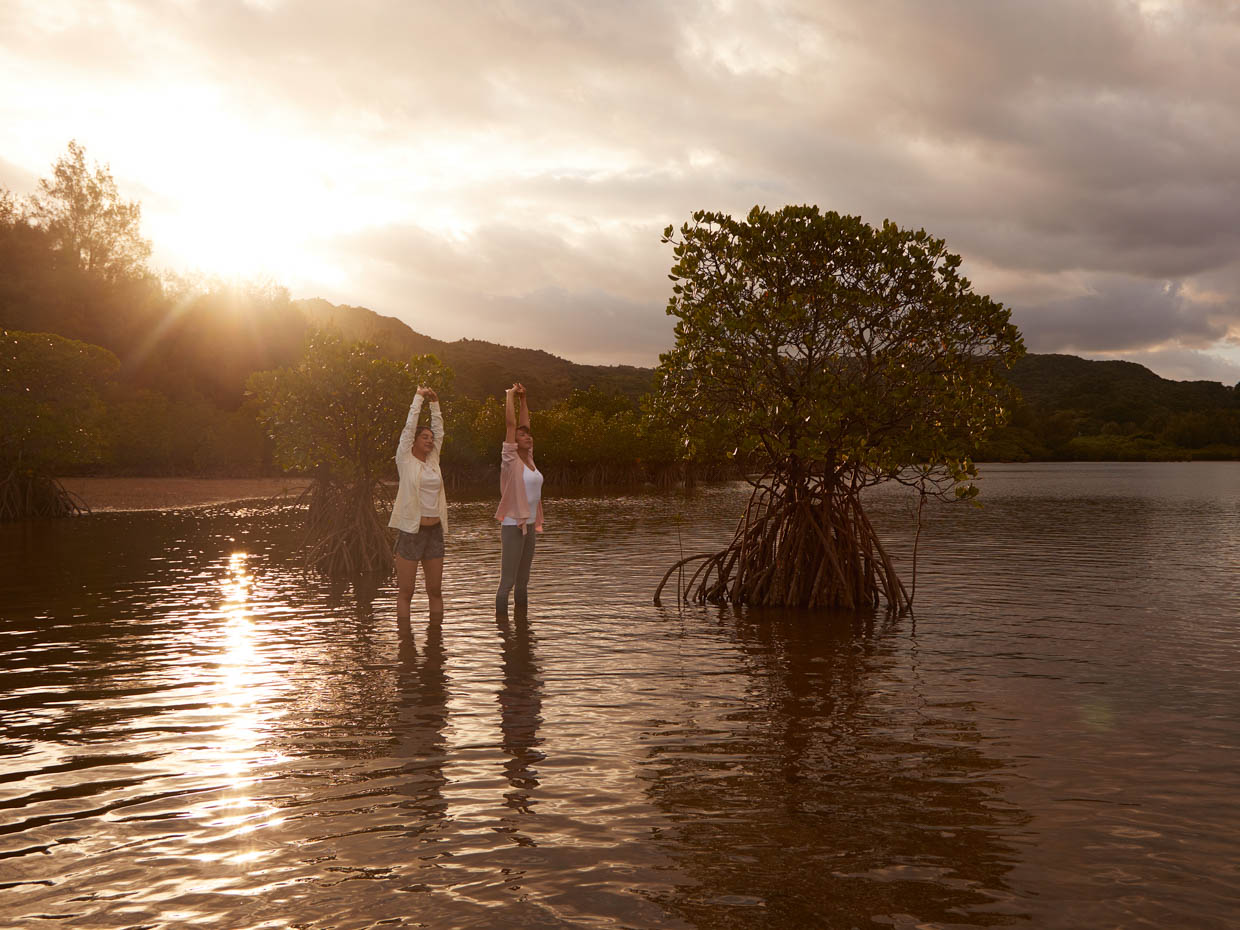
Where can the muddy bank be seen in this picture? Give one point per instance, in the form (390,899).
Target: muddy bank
(112,494)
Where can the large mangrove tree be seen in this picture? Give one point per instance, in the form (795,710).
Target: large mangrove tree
(833,355)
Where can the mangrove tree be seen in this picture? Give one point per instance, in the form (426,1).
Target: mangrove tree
(832,355)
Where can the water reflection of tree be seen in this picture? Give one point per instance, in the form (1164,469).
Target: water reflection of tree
(520,703)
(825,801)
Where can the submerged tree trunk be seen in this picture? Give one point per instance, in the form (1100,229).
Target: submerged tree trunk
(800,543)
(27,495)
(345,531)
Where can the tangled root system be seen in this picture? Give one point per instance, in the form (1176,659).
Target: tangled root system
(27,495)
(805,545)
(345,534)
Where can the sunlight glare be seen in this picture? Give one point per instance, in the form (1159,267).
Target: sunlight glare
(236,698)
(239,692)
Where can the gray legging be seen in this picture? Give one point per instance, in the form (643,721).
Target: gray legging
(515,561)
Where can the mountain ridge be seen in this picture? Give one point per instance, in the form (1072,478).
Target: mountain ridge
(482,368)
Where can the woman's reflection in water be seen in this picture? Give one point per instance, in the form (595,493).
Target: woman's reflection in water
(520,706)
(421,718)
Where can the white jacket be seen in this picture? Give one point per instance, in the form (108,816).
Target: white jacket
(407,511)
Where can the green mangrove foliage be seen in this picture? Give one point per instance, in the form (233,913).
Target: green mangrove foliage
(838,355)
(590,439)
(52,417)
(594,439)
(337,416)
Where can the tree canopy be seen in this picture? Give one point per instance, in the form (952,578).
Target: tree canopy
(51,412)
(340,410)
(827,344)
(51,417)
(91,225)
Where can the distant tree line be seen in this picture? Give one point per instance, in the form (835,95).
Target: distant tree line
(1073,409)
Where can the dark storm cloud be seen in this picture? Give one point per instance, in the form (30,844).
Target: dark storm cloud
(1080,156)
(1120,314)
(1187,365)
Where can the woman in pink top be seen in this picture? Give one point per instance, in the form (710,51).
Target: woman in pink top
(520,503)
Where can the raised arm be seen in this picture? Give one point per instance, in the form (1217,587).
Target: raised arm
(436,419)
(524,417)
(404,448)
(510,417)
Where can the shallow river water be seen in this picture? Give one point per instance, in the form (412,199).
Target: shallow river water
(195,734)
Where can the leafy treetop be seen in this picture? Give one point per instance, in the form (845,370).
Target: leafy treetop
(833,348)
(340,411)
(89,223)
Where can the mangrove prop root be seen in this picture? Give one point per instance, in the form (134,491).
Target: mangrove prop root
(807,545)
(26,495)
(345,532)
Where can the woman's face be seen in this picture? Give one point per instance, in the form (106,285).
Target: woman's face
(423,442)
(525,441)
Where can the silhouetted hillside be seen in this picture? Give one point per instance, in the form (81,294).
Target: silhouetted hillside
(1075,408)
(483,369)
(1114,390)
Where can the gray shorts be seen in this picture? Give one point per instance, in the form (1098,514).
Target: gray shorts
(426,543)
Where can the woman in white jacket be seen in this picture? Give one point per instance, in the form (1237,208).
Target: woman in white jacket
(420,514)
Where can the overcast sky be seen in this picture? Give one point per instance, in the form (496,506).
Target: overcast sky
(503,170)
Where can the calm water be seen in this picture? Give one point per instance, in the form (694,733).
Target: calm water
(195,734)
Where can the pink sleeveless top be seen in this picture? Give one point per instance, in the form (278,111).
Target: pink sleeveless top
(512,498)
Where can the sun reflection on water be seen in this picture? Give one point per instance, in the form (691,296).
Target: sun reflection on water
(236,697)
(240,687)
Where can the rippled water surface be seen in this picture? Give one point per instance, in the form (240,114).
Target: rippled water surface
(196,734)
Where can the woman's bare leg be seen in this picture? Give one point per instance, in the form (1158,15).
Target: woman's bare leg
(432,571)
(406,581)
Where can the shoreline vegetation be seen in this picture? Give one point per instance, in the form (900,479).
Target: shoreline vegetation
(1070,409)
(130,495)
(111,494)
(137,494)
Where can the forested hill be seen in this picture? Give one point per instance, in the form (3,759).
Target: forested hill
(1122,391)
(483,369)
(1075,408)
